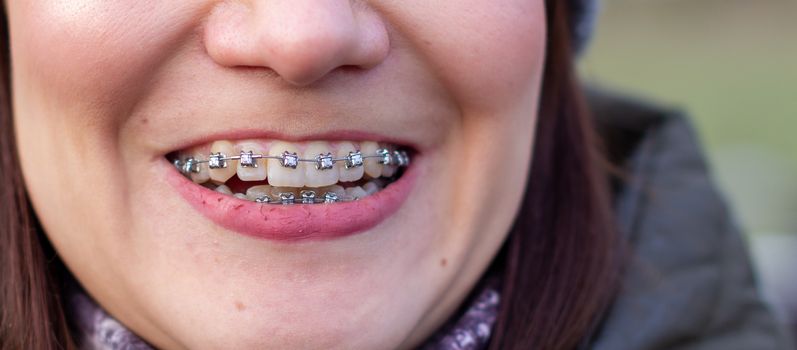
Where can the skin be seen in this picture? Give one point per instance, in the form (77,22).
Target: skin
(99,80)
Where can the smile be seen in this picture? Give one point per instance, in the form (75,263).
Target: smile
(291,191)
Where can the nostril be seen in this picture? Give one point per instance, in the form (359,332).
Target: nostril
(301,41)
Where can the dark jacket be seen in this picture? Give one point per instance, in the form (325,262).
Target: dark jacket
(689,284)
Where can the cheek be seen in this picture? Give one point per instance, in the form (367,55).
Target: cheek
(489,56)
(78,68)
(491,60)
(91,55)
(488,53)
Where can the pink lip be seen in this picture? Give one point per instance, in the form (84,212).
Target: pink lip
(297,222)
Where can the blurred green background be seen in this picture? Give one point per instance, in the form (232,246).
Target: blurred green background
(732,65)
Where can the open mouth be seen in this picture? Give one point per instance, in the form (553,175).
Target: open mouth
(287,173)
(294,190)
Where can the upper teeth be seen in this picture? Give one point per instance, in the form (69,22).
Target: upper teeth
(324,162)
(285,165)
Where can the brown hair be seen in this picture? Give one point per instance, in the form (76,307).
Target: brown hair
(562,259)
(559,263)
(31,313)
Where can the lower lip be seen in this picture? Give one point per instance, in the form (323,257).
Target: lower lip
(295,222)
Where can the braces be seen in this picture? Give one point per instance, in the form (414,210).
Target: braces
(307,197)
(248,159)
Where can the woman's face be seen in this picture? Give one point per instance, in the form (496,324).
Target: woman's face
(106,93)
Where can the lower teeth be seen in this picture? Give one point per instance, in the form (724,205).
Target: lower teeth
(265,194)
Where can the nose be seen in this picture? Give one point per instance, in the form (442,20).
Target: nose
(301,40)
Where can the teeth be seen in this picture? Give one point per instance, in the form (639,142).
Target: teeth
(279,175)
(292,195)
(263,199)
(251,169)
(401,159)
(277,191)
(388,170)
(331,197)
(203,175)
(315,177)
(221,175)
(256,192)
(286,195)
(345,149)
(224,189)
(356,192)
(287,198)
(336,189)
(371,187)
(308,196)
(302,177)
(372,166)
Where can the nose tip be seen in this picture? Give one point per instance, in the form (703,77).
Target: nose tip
(301,40)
